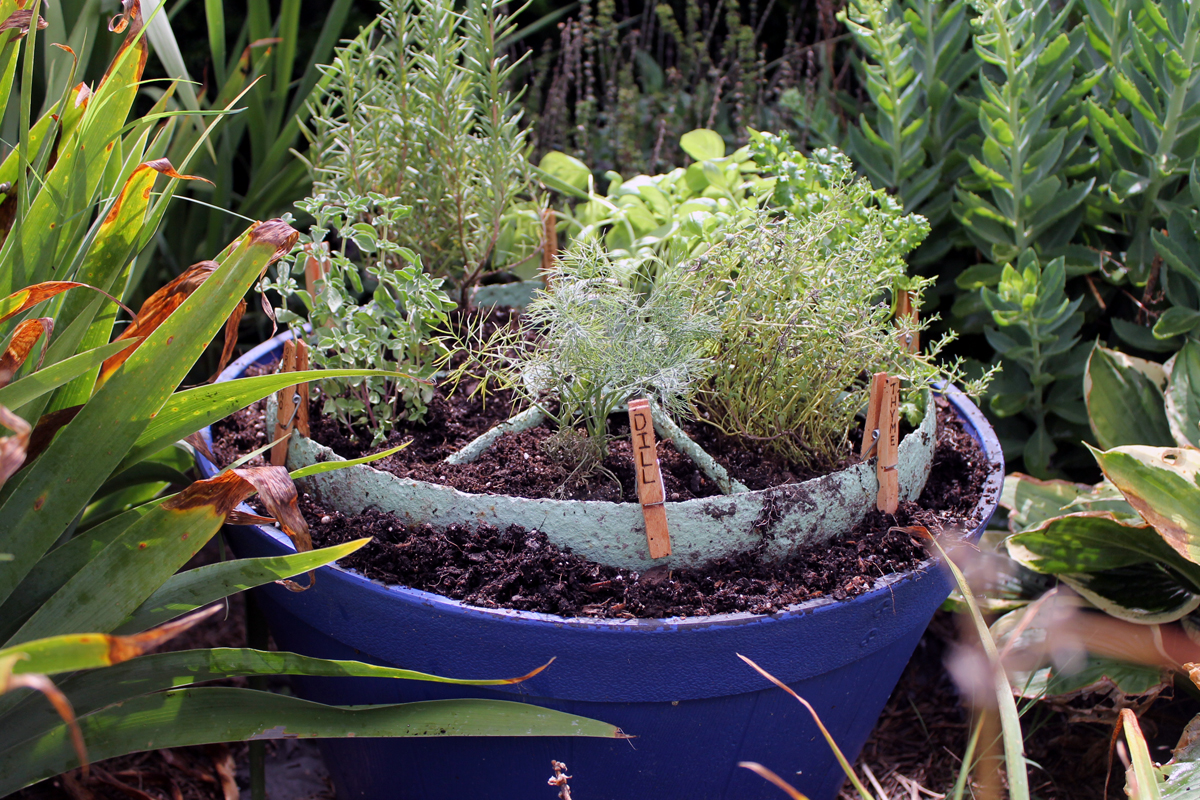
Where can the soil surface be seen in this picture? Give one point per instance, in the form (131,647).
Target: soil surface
(519,568)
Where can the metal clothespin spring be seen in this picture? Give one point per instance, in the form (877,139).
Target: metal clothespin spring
(295,410)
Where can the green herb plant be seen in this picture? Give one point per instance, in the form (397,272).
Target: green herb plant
(589,343)
(99,517)
(418,108)
(378,311)
(805,318)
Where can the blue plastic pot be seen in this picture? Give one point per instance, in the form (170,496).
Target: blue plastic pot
(676,684)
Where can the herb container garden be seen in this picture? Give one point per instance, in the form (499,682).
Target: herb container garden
(675,684)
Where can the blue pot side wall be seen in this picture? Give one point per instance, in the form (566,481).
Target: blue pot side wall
(677,685)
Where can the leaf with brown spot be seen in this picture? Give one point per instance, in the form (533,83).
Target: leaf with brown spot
(21,345)
(12,448)
(278,233)
(47,426)
(75,651)
(30,296)
(129,22)
(155,311)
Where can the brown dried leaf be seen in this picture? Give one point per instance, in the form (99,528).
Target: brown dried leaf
(157,308)
(30,296)
(12,448)
(236,517)
(225,491)
(21,345)
(123,648)
(763,772)
(102,776)
(19,21)
(47,426)
(129,22)
(224,765)
(163,166)
(40,683)
(197,442)
(231,338)
(275,232)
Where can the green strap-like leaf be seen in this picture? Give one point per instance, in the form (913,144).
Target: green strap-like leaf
(187,591)
(202,716)
(62,481)
(56,568)
(47,379)
(189,411)
(95,689)
(144,555)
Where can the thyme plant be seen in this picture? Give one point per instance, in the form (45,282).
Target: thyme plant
(805,318)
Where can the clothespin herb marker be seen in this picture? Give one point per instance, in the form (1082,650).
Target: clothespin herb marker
(649,478)
(292,401)
(908,315)
(882,435)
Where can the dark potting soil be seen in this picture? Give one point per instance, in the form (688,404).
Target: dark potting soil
(519,464)
(519,568)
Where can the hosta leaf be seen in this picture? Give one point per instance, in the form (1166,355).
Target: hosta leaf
(1161,483)
(1182,773)
(1125,400)
(1183,396)
(1093,541)
(1146,594)
(1176,321)
(1030,501)
(1094,674)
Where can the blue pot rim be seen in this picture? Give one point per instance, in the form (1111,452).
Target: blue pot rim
(988,501)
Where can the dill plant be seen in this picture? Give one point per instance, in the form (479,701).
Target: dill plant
(589,342)
(805,317)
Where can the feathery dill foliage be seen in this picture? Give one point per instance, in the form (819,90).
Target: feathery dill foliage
(805,318)
(418,108)
(598,344)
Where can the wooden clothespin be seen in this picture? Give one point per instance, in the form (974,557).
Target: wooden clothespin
(649,478)
(549,243)
(292,401)
(316,269)
(910,315)
(882,434)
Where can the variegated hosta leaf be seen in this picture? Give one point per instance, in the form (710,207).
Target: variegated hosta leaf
(1146,594)
(1126,570)
(1161,483)
(1124,398)
(1030,501)
(1183,395)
